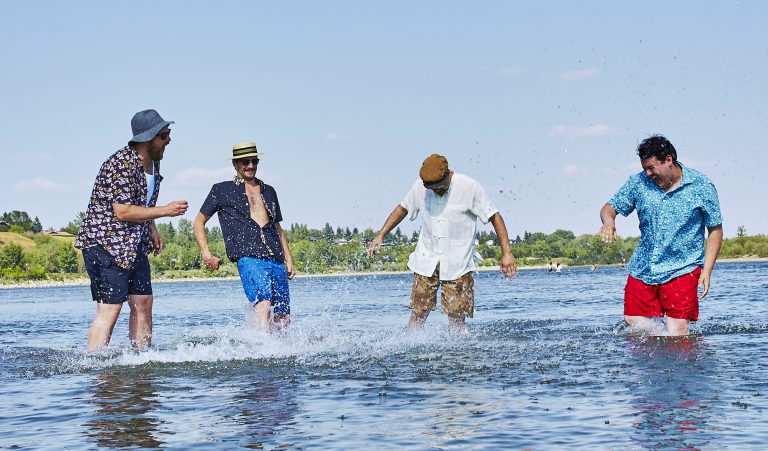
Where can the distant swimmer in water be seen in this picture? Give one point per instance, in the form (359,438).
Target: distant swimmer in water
(675,205)
(450,204)
(249,215)
(550,267)
(558,267)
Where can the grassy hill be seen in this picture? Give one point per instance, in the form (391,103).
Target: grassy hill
(14,238)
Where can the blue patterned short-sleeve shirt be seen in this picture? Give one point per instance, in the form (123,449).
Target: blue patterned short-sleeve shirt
(672,224)
(120,180)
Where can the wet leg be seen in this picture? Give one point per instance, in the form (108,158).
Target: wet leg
(677,327)
(640,323)
(103,323)
(456,323)
(260,316)
(140,321)
(418,318)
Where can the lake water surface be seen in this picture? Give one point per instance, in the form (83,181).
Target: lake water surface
(546,363)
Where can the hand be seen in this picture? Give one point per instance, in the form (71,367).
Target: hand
(290,269)
(157,241)
(176,208)
(374,246)
(608,233)
(508,266)
(211,262)
(704,282)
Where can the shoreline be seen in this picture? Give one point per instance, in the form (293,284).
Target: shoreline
(84,281)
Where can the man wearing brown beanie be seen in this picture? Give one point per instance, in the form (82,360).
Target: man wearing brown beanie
(450,204)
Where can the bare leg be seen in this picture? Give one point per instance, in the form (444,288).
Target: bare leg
(260,317)
(418,318)
(677,327)
(140,321)
(640,323)
(281,322)
(101,328)
(456,323)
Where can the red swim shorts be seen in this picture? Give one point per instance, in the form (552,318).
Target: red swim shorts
(677,298)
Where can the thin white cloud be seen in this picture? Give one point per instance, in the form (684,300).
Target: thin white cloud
(581,74)
(39,184)
(568,131)
(338,137)
(574,170)
(512,71)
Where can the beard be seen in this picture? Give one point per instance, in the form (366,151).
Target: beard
(155,152)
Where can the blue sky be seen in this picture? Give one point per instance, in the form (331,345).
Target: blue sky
(542,102)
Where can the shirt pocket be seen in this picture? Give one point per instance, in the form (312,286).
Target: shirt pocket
(460,252)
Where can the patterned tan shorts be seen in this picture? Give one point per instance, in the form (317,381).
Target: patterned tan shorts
(457,299)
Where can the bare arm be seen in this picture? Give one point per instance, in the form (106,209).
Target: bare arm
(608,217)
(198,226)
(136,213)
(711,250)
(394,218)
(508,265)
(289,267)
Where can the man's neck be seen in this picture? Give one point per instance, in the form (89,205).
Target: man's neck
(146,161)
(677,176)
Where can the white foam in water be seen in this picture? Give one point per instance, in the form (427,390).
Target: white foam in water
(311,338)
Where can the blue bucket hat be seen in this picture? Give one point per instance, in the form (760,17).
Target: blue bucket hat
(145,125)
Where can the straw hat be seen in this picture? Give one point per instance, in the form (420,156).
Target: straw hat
(245,149)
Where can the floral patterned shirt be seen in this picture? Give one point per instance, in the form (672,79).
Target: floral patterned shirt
(120,180)
(242,235)
(671,224)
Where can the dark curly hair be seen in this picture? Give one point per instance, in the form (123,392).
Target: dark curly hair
(656,146)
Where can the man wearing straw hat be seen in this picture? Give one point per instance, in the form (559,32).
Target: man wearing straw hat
(118,231)
(249,215)
(450,204)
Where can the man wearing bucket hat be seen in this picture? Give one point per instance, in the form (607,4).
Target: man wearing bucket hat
(450,204)
(249,215)
(118,231)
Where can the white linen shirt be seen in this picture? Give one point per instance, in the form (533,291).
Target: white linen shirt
(448,226)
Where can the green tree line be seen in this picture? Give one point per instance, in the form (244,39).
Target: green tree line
(326,250)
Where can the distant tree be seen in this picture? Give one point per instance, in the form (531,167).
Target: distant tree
(11,256)
(66,258)
(74,225)
(19,218)
(36,227)
(185,227)
(328,234)
(741,231)
(368,235)
(414,236)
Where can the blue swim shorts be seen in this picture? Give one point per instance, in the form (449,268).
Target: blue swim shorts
(265,280)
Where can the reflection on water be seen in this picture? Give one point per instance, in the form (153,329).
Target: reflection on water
(673,389)
(265,408)
(546,364)
(125,404)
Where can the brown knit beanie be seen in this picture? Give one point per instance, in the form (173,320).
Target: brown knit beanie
(434,168)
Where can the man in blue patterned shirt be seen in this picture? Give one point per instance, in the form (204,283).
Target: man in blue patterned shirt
(674,205)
